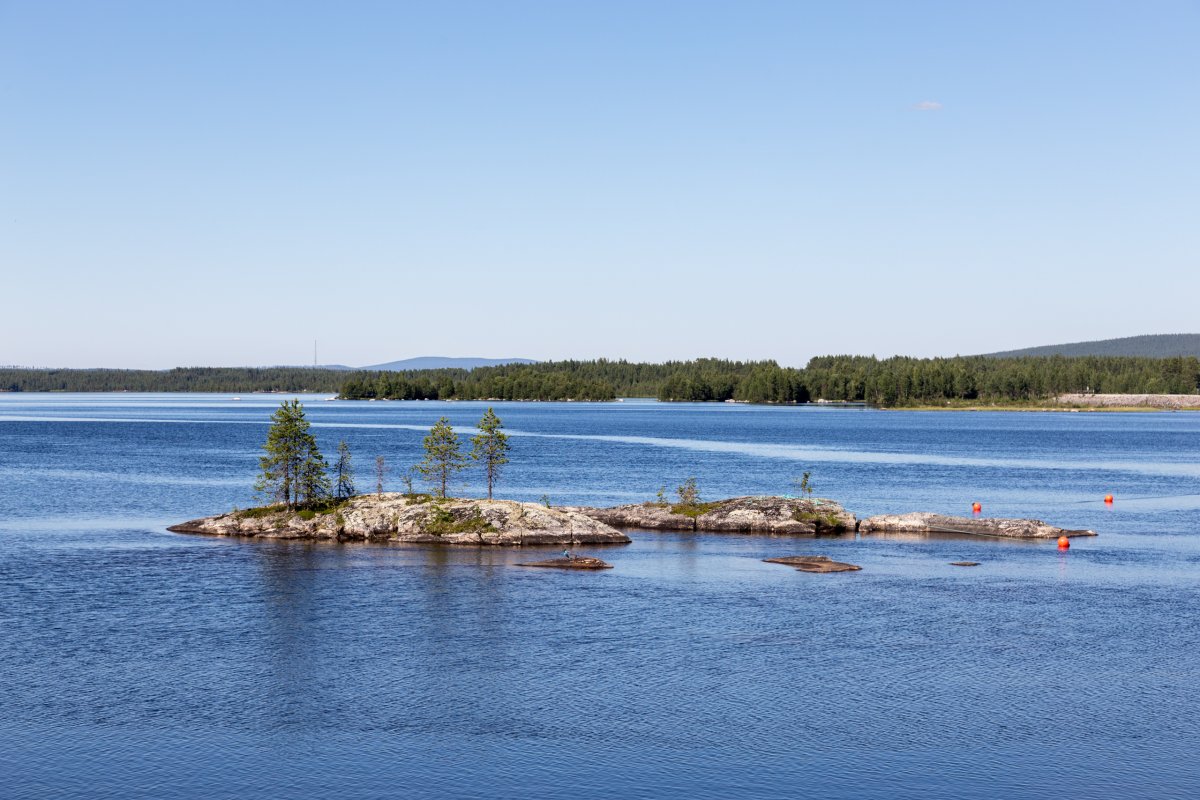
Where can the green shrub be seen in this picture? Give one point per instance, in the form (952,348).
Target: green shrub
(260,512)
(306,513)
(821,519)
(694,511)
(689,494)
(441,522)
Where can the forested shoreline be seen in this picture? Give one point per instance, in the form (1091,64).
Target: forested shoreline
(892,382)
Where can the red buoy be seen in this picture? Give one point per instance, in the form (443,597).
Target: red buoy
(976,507)
(1063,543)
(1108,498)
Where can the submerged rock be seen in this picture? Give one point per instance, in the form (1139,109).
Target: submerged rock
(578,562)
(394,517)
(964,563)
(923,522)
(814,563)
(770,515)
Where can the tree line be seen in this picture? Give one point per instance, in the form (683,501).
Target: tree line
(601,379)
(897,381)
(180,379)
(902,381)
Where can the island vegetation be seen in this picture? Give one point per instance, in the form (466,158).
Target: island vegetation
(293,470)
(294,474)
(301,500)
(896,382)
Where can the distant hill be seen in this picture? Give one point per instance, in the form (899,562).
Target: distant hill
(438,362)
(1166,345)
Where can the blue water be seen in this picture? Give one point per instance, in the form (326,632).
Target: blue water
(139,663)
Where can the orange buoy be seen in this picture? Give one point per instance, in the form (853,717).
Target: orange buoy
(976,507)
(1108,498)
(1063,543)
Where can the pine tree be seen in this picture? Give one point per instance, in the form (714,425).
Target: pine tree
(490,448)
(443,458)
(343,472)
(293,469)
(312,484)
(689,493)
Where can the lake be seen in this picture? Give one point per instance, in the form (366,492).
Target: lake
(140,663)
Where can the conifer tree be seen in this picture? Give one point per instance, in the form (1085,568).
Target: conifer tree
(312,485)
(443,458)
(343,472)
(490,448)
(292,469)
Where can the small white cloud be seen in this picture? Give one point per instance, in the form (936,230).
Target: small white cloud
(928,105)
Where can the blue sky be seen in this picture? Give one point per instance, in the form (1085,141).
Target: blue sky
(221,183)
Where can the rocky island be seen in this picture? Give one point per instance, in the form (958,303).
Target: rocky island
(923,522)
(769,515)
(395,517)
(814,564)
(571,562)
(806,516)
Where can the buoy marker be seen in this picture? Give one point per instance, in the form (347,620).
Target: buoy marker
(1108,499)
(1063,543)
(976,508)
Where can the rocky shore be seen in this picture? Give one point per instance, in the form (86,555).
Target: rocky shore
(393,517)
(807,516)
(768,515)
(1173,402)
(922,522)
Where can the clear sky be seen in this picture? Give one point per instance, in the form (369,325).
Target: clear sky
(221,183)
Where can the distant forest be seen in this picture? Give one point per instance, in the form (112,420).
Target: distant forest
(181,379)
(893,382)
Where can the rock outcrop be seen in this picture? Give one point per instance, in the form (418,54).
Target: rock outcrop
(398,518)
(814,564)
(769,515)
(577,562)
(923,522)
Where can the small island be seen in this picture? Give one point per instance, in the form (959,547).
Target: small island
(396,517)
(309,503)
(570,562)
(788,516)
(814,564)
(999,527)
